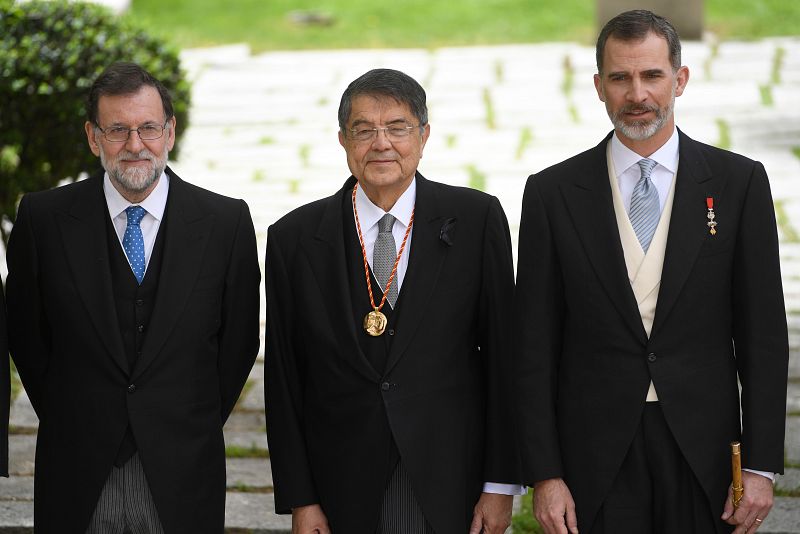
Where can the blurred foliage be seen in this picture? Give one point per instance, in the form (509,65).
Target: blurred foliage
(50,53)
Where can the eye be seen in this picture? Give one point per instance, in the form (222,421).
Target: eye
(117,130)
(149,129)
(398,131)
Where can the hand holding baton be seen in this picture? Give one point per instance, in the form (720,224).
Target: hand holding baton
(736,466)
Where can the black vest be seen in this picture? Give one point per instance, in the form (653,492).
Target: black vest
(134,306)
(376,349)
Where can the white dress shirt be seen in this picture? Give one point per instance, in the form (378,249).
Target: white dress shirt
(154,205)
(628,173)
(368,215)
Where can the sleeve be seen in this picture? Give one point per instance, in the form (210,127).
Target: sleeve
(291,473)
(538,325)
(759,329)
(5,388)
(502,456)
(27,325)
(239,332)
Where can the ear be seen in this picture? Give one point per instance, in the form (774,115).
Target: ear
(171,133)
(426,132)
(598,86)
(91,138)
(341,138)
(681,79)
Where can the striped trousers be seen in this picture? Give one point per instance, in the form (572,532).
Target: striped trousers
(125,505)
(400,511)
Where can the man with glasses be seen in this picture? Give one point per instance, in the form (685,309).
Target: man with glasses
(387,355)
(133,313)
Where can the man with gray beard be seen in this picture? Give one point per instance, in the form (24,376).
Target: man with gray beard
(648,281)
(134,322)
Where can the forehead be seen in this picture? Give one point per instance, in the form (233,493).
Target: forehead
(135,108)
(379,109)
(648,53)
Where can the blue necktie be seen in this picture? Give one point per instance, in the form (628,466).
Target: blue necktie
(645,207)
(133,241)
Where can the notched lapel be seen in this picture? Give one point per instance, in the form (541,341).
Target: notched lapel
(86,247)
(326,256)
(687,230)
(186,237)
(588,199)
(429,247)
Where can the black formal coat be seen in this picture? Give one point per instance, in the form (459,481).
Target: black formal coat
(5,388)
(65,340)
(443,396)
(583,360)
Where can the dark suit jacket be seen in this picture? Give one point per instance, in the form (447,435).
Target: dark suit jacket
(583,359)
(442,398)
(65,339)
(5,388)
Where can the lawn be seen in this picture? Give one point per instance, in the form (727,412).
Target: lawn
(270,25)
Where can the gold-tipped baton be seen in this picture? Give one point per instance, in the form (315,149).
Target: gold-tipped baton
(736,467)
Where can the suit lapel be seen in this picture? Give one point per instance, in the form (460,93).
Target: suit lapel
(186,236)
(687,230)
(86,248)
(326,256)
(588,199)
(427,255)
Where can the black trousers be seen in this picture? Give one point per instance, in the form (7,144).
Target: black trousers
(655,491)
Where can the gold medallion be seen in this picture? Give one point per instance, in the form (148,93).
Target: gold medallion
(375,323)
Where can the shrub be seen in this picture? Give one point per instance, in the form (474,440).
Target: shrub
(50,53)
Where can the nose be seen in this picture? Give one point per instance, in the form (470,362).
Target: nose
(134,142)
(381,141)
(636,91)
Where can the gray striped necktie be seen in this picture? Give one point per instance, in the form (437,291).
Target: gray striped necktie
(383,257)
(645,208)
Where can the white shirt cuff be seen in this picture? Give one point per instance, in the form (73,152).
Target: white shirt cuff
(767,474)
(504,489)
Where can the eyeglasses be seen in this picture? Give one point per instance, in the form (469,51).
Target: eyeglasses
(393,133)
(147,132)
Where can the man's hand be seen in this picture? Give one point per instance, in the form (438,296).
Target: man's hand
(309,520)
(492,514)
(554,508)
(755,504)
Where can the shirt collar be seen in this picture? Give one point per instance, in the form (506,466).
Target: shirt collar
(369,214)
(154,204)
(666,156)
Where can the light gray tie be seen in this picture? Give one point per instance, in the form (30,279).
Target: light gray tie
(645,208)
(384,256)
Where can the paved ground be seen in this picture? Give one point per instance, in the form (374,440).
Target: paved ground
(263,128)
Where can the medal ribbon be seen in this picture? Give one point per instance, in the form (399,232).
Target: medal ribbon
(364,255)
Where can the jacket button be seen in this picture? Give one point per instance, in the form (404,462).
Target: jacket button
(651,357)
(139,302)
(140,328)
(391,331)
(385,386)
(132,388)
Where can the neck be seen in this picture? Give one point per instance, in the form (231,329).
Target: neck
(384,197)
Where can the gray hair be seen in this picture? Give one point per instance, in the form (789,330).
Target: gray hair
(634,26)
(385,82)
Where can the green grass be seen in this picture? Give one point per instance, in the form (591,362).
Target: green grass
(724,130)
(489,108)
(766,95)
(525,139)
(244,488)
(523,521)
(253,451)
(777,64)
(789,233)
(16,383)
(423,24)
(477,179)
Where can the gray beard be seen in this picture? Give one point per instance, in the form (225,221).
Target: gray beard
(641,130)
(135,179)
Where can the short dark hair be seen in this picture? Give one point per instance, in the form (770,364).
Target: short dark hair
(634,26)
(124,78)
(385,82)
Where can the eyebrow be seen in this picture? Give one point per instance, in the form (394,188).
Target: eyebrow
(362,122)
